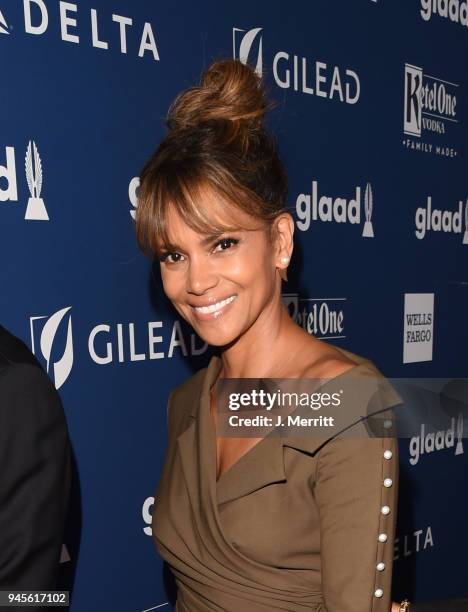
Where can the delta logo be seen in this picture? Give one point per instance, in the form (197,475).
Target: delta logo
(73,21)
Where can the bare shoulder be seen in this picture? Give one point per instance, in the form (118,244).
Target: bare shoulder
(329,367)
(328,363)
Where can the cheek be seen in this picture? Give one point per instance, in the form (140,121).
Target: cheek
(171,285)
(249,267)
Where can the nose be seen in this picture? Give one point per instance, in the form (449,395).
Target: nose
(200,277)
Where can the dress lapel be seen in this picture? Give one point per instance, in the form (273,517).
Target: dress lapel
(263,464)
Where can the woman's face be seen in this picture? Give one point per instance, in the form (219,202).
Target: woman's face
(219,284)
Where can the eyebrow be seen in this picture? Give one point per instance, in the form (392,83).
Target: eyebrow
(204,242)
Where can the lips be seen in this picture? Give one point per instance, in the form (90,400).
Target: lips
(214,306)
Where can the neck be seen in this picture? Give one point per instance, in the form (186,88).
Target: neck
(265,350)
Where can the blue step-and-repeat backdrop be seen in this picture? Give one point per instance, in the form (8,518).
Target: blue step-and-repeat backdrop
(372,124)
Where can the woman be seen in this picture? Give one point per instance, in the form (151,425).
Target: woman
(246,523)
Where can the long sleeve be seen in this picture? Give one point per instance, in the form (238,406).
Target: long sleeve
(356,488)
(34,478)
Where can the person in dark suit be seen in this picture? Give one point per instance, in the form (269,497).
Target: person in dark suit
(35,459)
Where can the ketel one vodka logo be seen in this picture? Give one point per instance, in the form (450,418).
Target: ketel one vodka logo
(321,317)
(430,108)
(315,207)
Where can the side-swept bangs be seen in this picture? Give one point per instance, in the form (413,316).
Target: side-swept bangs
(204,200)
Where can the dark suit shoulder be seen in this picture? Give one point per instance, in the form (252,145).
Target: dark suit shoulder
(13,350)
(26,391)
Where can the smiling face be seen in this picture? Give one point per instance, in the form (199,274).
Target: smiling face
(222,285)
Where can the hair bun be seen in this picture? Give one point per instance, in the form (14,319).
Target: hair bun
(230,92)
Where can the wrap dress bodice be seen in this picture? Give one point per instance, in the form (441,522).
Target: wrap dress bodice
(295,524)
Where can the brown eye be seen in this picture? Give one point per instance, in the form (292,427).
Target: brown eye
(227,242)
(165,257)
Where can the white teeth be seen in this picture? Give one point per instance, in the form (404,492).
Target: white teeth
(214,307)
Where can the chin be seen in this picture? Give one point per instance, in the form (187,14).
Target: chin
(217,338)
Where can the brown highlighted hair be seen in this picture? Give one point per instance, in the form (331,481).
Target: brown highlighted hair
(216,139)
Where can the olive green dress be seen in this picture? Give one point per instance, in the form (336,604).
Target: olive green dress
(302,523)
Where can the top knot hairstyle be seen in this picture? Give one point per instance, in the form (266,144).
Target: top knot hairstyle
(216,139)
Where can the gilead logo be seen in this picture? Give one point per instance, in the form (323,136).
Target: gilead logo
(44,330)
(36,22)
(245,44)
(292,71)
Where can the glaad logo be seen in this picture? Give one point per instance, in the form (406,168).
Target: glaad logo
(36,22)
(339,210)
(428,219)
(3,25)
(317,315)
(292,72)
(133,195)
(35,210)
(58,369)
(418,327)
(147,515)
(455,10)
(430,105)
(434,441)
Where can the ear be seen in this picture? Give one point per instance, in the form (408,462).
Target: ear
(283,232)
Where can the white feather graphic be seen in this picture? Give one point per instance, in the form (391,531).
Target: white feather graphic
(38,166)
(245,48)
(368,201)
(29,169)
(3,25)
(63,366)
(33,172)
(48,333)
